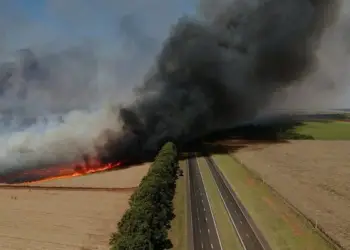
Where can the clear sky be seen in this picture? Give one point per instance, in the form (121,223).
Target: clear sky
(31,22)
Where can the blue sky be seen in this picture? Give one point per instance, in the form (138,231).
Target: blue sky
(31,22)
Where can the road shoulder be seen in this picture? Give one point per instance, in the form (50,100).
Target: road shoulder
(179,230)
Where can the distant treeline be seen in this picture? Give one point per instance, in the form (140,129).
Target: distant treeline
(146,223)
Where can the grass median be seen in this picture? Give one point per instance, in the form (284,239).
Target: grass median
(227,234)
(281,226)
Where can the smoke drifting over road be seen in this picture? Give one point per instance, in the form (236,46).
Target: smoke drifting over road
(227,65)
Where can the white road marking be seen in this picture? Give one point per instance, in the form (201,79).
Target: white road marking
(232,221)
(234,197)
(206,218)
(247,235)
(212,247)
(208,231)
(202,245)
(241,222)
(210,209)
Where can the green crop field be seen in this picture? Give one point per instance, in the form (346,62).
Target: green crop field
(332,130)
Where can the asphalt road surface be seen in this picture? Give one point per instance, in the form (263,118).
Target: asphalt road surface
(248,234)
(205,235)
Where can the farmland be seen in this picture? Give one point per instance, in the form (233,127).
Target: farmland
(296,192)
(328,130)
(56,219)
(123,178)
(312,175)
(282,186)
(280,225)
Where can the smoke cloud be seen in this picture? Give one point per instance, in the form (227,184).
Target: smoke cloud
(59,90)
(230,63)
(238,60)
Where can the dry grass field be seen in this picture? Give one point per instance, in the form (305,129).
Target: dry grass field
(54,219)
(129,177)
(313,175)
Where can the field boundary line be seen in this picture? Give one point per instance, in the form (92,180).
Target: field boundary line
(334,243)
(62,188)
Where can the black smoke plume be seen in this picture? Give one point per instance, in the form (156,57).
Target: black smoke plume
(232,64)
(218,72)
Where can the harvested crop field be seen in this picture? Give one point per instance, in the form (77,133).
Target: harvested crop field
(123,178)
(63,219)
(312,175)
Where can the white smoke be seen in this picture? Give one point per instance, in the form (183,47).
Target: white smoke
(59,94)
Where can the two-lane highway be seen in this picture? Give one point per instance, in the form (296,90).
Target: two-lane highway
(248,234)
(205,235)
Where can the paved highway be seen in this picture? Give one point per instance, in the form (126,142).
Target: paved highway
(248,234)
(204,230)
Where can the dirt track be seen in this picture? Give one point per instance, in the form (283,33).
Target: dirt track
(313,175)
(66,214)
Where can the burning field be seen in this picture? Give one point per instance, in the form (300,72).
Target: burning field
(77,110)
(72,213)
(89,166)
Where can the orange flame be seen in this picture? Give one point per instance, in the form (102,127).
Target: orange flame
(88,166)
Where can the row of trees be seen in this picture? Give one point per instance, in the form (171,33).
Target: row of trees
(146,223)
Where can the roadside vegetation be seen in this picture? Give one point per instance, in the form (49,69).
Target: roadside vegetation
(178,232)
(146,223)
